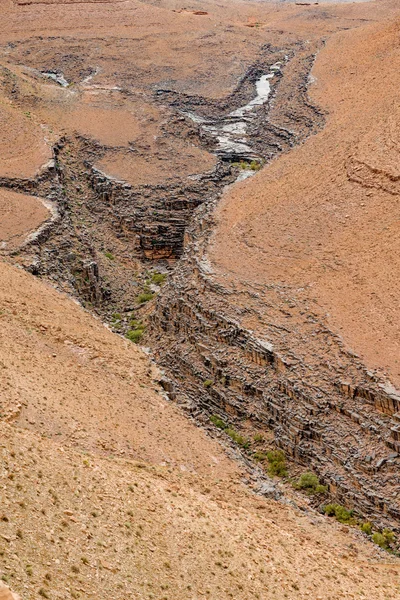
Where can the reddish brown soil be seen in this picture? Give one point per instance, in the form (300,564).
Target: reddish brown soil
(323,220)
(107,488)
(19,215)
(23,149)
(179,160)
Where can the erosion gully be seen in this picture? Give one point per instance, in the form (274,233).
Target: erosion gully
(314,400)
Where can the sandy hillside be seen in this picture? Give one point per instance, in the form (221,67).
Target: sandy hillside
(109,489)
(323,220)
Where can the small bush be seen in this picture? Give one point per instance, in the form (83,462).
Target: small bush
(109,255)
(366,528)
(384,539)
(208,383)
(259,437)
(309,482)
(236,437)
(218,422)
(255,165)
(135,335)
(277,463)
(389,536)
(339,512)
(144,297)
(158,278)
(380,540)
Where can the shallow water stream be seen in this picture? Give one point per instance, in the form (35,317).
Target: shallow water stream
(231,132)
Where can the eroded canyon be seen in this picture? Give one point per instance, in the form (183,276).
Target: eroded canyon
(218,183)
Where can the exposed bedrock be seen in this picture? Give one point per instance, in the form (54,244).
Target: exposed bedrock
(325,409)
(297,380)
(155,216)
(147,222)
(292,376)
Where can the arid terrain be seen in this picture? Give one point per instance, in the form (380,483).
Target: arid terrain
(199,250)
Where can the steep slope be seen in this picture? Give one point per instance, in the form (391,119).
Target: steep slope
(286,294)
(327,213)
(82,517)
(107,488)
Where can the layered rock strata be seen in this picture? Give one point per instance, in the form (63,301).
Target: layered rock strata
(270,360)
(325,409)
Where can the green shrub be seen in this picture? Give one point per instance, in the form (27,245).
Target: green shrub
(380,540)
(158,278)
(389,536)
(109,255)
(218,422)
(135,335)
(144,297)
(384,539)
(258,437)
(260,456)
(208,383)
(276,463)
(339,512)
(236,437)
(309,482)
(255,165)
(366,528)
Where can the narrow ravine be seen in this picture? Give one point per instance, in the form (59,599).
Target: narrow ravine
(222,371)
(114,244)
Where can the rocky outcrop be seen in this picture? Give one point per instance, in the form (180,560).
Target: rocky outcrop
(96,211)
(156,217)
(295,378)
(325,410)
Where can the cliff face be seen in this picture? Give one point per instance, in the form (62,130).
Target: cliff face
(237,313)
(324,408)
